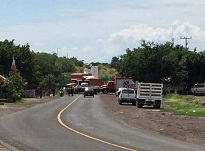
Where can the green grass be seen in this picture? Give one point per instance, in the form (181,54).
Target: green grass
(3,100)
(23,100)
(182,105)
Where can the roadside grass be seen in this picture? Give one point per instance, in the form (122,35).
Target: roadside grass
(23,100)
(183,105)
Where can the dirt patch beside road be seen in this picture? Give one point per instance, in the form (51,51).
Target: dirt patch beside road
(190,129)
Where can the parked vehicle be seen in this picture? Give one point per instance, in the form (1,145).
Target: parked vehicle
(127,95)
(80,78)
(198,89)
(113,86)
(80,87)
(149,94)
(88,92)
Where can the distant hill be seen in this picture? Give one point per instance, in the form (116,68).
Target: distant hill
(105,71)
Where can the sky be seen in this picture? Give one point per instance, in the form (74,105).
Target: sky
(97,30)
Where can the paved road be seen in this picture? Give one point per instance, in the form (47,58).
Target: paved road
(82,125)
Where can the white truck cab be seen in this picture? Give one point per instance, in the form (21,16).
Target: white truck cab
(127,95)
(198,89)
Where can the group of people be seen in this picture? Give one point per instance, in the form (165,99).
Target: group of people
(69,90)
(39,93)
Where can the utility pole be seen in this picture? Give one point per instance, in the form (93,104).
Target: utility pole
(172,37)
(186,43)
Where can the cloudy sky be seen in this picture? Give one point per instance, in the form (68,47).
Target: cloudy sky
(97,30)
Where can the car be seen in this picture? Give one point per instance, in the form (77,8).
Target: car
(80,88)
(117,93)
(127,95)
(198,89)
(88,92)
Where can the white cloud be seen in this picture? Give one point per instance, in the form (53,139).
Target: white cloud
(136,33)
(99,32)
(139,32)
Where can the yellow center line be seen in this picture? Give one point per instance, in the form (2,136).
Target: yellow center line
(86,135)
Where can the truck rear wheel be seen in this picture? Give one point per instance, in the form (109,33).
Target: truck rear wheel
(120,102)
(105,91)
(140,103)
(157,104)
(134,103)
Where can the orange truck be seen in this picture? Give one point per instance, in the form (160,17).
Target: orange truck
(79,78)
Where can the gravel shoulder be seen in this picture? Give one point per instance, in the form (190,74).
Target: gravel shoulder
(189,129)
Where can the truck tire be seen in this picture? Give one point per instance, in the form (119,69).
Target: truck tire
(157,104)
(120,102)
(105,91)
(134,103)
(140,103)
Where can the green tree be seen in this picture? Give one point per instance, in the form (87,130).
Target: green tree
(14,86)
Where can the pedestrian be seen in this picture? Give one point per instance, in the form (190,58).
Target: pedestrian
(40,93)
(72,90)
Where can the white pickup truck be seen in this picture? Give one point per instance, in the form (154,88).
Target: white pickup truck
(198,89)
(149,94)
(127,95)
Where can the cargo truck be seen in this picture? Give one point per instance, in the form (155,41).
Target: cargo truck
(119,82)
(149,94)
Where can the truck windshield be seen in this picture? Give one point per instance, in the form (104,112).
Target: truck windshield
(198,85)
(128,91)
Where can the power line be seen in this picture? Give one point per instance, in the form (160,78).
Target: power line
(186,43)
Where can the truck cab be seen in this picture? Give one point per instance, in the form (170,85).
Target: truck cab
(109,87)
(119,82)
(198,89)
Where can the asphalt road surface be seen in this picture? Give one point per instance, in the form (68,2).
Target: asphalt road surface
(80,124)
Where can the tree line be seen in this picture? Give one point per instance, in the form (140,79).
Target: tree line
(151,62)
(34,70)
(164,63)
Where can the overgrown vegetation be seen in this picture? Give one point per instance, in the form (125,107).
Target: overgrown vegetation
(185,105)
(162,63)
(41,71)
(14,86)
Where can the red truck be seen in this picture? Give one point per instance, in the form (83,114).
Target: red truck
(119,82)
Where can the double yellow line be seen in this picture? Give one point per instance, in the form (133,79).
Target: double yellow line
(86,135)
